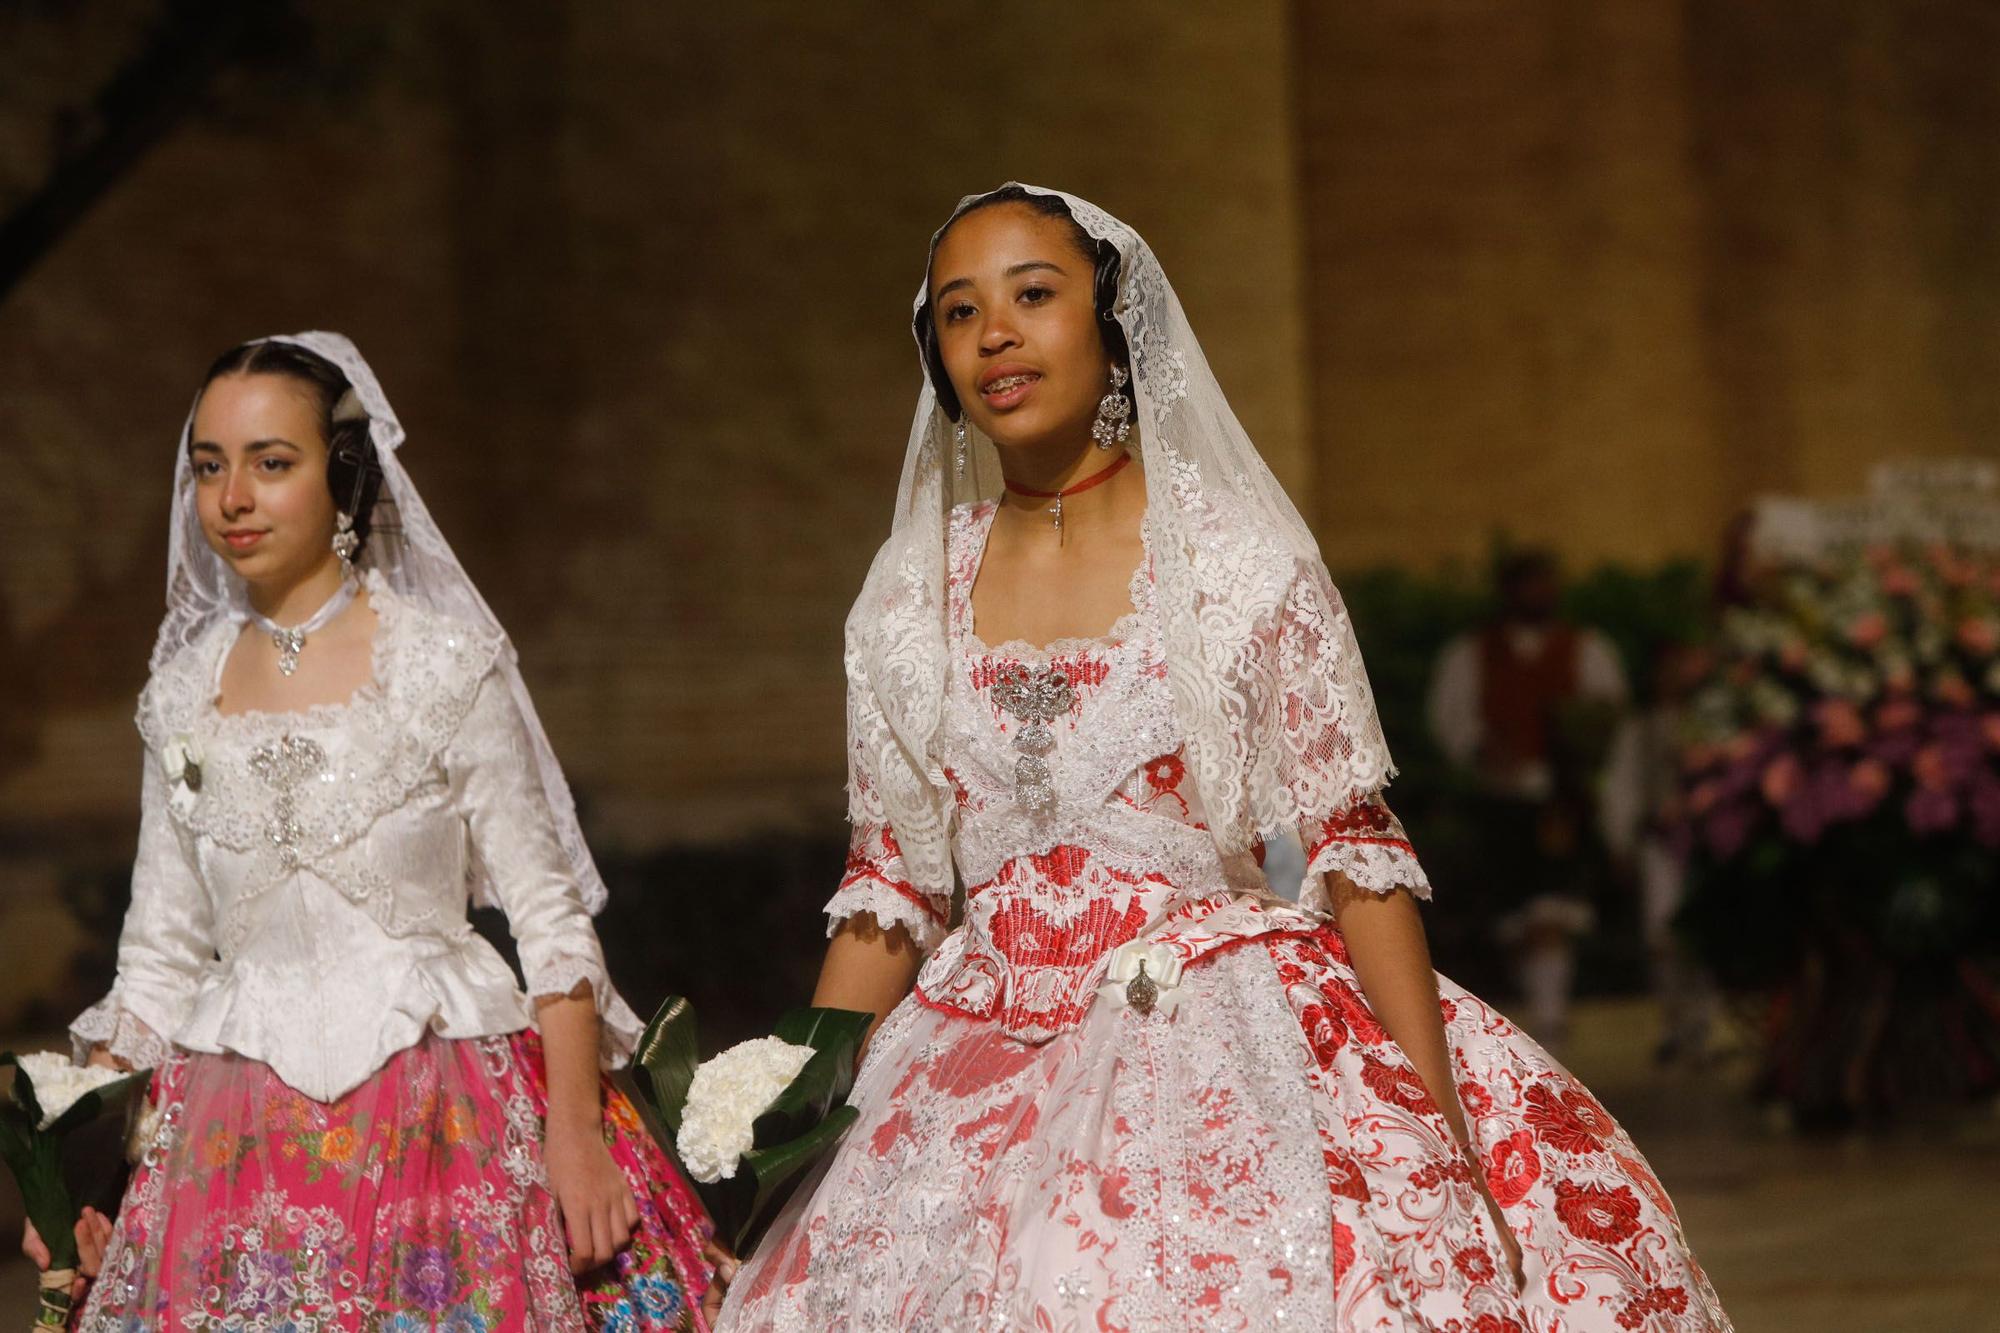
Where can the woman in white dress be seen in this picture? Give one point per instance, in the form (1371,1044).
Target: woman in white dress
(364,1122)
(1134,1089)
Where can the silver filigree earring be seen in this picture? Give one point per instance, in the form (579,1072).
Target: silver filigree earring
(1114,414)
(962,439)
(345,542)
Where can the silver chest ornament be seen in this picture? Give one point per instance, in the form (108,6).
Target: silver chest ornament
(1035,696)
(284,764)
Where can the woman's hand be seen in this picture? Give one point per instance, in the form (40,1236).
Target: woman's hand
(725,1273)
(1510,1247)
(598,1209)
(93,1235)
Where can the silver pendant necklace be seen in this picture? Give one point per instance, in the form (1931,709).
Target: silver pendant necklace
(291,642)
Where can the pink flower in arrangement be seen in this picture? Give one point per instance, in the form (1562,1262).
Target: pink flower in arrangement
(1781,779)
(1989,727)
(1928,767)
(1895,714)
(1740,747)
(1953,568)
(1954,689)
(1703,798)
(1868,630)
(1899,677)
(1901,581)
(1701,754)
(1870,780)
(1840,723)
(1792,655)
(1979,635)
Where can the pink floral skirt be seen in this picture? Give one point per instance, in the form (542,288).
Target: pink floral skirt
(416,1202)
(1264,1157)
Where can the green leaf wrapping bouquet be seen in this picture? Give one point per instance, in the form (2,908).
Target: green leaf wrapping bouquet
(748,1121)
(49,1098)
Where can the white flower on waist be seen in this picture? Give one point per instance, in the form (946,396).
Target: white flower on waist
(725,1098)
(181,759)
(1144,976)
(58,1083)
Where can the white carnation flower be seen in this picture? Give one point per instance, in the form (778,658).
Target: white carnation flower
(725,1098)
(59,1084)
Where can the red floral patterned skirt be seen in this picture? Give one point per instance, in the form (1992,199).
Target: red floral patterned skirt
(1264,1157)
(416,1202)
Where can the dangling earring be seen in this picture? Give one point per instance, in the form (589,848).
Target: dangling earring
(1114,414)
(345,543)
(959,434)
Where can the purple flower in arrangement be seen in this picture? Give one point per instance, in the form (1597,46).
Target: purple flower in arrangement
(1930,810)
(428,1279)
(1983,803)
(1805,818)
(1728,828)
(1895,748)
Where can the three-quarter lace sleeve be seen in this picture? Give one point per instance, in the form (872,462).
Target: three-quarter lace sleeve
(165,947)
(876,880)
(1364,842)
(498,788)
(1334,761)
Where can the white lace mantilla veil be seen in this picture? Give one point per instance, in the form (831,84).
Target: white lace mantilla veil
(1269,690)
(411,555)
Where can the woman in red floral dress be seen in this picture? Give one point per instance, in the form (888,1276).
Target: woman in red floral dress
(1133,1089)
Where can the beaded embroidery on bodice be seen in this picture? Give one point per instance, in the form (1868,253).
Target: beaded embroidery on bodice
(292,790)
(1062,869)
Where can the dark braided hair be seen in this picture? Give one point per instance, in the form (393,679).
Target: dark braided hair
(1103,253)
(353,472)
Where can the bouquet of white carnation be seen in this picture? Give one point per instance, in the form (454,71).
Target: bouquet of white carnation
(771,1105)
(50,1097)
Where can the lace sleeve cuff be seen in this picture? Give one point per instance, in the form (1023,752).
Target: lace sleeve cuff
(120,1032)
(618,1026)
(1366,843)
(876,883)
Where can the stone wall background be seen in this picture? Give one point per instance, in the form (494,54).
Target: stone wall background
(637,278)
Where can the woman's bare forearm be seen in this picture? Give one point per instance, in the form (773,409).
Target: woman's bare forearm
(570,1037)
(867,968)
(1392,959)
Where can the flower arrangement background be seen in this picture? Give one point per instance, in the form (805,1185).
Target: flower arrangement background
(1841,807)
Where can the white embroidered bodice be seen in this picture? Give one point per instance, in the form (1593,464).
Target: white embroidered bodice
(1076,825)
(301,885)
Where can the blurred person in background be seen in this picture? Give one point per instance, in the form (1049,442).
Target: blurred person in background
(1524,707)
(1644,829)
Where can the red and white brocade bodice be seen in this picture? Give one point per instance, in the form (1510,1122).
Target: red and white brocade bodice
(1053,886)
